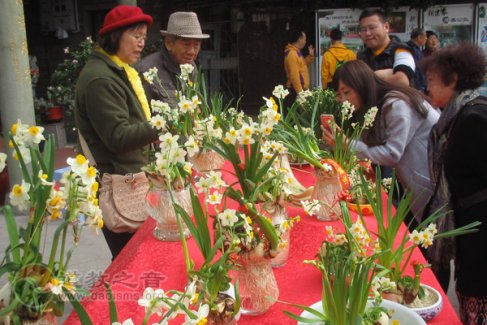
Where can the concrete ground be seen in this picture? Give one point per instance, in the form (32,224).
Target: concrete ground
(92,255)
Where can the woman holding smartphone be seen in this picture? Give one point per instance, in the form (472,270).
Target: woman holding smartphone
(399,135)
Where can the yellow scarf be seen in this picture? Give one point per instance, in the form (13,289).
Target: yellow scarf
(135,81)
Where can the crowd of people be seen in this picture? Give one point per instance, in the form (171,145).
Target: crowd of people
(430,126)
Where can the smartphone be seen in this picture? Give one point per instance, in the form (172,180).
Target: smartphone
(326,120)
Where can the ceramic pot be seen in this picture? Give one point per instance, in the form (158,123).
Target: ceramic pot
(431,310)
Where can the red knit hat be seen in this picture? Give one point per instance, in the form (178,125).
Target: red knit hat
(122,16)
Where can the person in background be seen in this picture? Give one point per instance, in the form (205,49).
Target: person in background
(296,65)
(432,43)
(112,111)
(457,156)
(182,44)
(336,55)
(391,60)
(417,41)
(399,135)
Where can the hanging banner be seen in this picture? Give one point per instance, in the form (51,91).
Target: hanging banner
(452,23)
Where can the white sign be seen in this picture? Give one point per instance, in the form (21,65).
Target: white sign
(452,23)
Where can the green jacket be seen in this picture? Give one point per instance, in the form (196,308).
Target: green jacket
(110,117)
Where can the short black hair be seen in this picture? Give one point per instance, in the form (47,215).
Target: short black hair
(372,12)
(430,33)
(336,34)
(416,32)
(295,34)
(110,42)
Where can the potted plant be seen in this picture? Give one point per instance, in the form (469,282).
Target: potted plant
(61,89)
(39,280)
(397,245)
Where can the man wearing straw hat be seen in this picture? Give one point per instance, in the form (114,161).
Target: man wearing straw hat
(181,45)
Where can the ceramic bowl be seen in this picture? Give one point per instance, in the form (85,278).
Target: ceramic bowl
(430,312)
(366,209)
(401,313)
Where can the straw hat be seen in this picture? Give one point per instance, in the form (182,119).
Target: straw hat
(122,16)
(184,24)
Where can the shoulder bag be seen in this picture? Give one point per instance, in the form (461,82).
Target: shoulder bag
(122,197)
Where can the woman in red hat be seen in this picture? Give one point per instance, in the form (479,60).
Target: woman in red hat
(112,111)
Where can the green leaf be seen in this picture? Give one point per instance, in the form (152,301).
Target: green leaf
(111,304)
(12,231)
(80,311)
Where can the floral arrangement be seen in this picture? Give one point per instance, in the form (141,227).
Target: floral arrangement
(349,278)
(396,257)
(252,173)
(39,279)
(312,103)
(348,131)
(63,81)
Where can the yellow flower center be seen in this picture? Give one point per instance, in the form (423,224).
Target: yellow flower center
(94,187)
(55,281)
(17,190)
(13,129)
(55,214)
(34,130)
(55,200)
(249,220)
(195,298)
(202,321)
(80,159)
(91,171)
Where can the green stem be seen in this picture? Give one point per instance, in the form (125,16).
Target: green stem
(63,245)
(181,234)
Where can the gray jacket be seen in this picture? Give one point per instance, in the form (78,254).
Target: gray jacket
(168,69)
(405,149)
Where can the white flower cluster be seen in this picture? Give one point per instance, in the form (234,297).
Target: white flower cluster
(380,284)
(151,75)
(280,92)
(338,239)
(170,154)
(270,148)
(424,237)
(311,207)
(242,136)
(206,129)
(369,117)
(347,110)
(158,302)
(186,70)
(25,136)
(303,96)
(231,219)
(187,105)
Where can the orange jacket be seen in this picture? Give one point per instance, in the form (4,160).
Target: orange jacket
(296,67)
(336,52)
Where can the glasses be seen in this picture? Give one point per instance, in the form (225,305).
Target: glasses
(370,28)
(139,37)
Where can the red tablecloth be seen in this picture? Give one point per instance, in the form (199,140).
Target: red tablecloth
(146,261)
